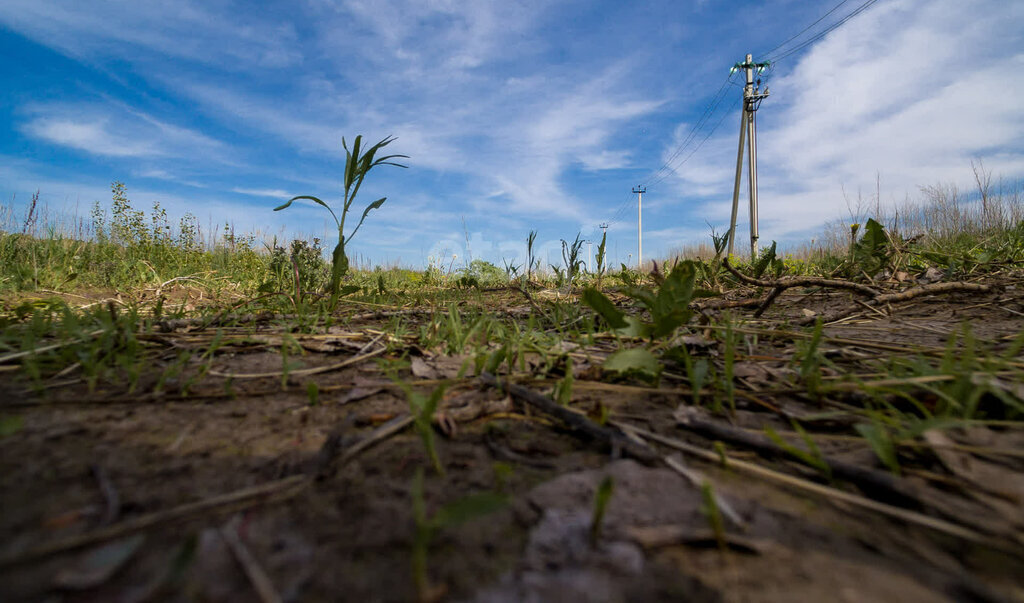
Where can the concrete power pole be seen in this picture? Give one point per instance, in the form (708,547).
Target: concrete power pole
(752,97)
(639,190)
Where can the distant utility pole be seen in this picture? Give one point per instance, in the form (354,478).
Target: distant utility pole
(752,97)
(639,190)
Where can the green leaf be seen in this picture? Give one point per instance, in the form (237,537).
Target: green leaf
(348,290)
(375,205)
(677,291)
(339,266)
(369,207)
(881,443)
(809,458)
(293,199)
(604,306)
(495,359)
(874,235)
(638,362)
(635,328)
(764,260)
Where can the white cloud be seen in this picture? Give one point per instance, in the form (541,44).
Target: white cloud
(115,130)
(89,136)
(201,32)
(264,192)
(907,93)
(521,114)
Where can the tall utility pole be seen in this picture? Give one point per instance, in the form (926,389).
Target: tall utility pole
(639,190)
(752,97)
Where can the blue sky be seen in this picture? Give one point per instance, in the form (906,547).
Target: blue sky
(516,115)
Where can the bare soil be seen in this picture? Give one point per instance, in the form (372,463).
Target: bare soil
(95,486)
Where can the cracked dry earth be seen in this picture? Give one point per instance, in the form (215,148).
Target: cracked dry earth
(244,491)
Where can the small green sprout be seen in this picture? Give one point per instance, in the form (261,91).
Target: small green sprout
(601,498)
(709,507)
(450,515)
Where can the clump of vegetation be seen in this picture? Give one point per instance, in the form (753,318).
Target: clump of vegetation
(357,167)
(301,266)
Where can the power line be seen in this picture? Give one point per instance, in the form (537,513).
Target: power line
(673,170)
(667,169)
(823,33)
(717,99)
(804,30)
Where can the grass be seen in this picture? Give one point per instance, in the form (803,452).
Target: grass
(634,332)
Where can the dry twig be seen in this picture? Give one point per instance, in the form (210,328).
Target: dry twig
(277,490)
(259,579)
(575,420)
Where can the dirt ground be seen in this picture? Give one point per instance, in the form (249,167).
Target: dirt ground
(243,490)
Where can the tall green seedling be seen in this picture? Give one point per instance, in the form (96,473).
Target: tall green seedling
(530,260)
(357,166)
(600,259)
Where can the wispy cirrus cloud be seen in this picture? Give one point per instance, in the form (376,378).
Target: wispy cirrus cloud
(210,33)
(274,193)
(516,115)
(113,129)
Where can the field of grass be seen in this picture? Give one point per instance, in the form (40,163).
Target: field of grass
(186,416)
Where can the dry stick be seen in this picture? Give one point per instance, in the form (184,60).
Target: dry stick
(624,440)
(896,512)
(767,301)
(302,372)
(930,289)
(46,348)
(867,479)
(389,313)
(871,308)
(575,420)
(908,294)
(260,581)
(278,490)
(167,326)
(324,461)
(802,281)
(239,499)
(722,304)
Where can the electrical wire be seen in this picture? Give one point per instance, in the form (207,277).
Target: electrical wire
(668,169)
(804,30)
(717,99)
(673,170)
(823,33)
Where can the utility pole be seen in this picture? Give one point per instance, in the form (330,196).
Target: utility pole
(639,190)
(752,97)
